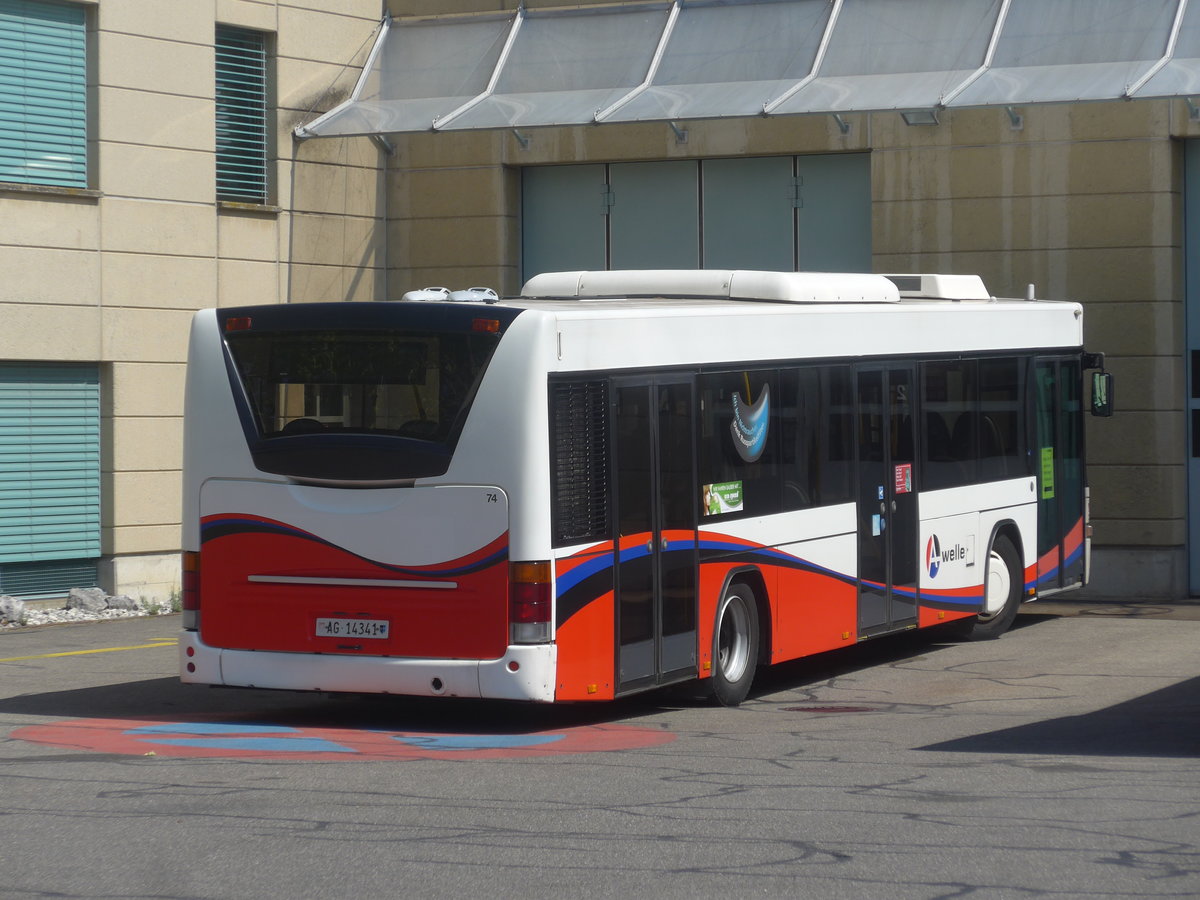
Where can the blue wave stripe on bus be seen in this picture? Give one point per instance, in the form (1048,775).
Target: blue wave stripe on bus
(966,597)
(234,525)
(1052,573)
(584,570)
(770,555)
(972,599)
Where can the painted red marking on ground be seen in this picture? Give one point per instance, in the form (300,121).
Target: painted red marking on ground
(250,740)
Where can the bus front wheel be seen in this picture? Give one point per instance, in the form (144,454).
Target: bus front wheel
(735,645)
(1003,585)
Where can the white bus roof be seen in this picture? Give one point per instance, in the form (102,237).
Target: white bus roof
(616,320)
(741,284)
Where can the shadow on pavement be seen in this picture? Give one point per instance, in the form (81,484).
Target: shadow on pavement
(882,651)
(1162,723)
(167,700)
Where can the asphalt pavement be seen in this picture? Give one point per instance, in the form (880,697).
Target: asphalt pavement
(1059,761)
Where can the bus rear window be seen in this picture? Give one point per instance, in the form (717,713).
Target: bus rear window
(393,383)
(349,394)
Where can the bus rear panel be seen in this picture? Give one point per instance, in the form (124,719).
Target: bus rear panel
(331,549)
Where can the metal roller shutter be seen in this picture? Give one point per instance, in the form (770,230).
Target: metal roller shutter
(49,469)
(43,93)
(241,115)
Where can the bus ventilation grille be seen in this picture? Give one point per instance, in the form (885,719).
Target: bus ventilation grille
(579,448)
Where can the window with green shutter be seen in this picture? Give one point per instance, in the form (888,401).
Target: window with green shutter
(49,469)
(43,93)
(241,115)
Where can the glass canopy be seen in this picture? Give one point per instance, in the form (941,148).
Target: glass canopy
(1180,75)
(726,59)
(897,54)
(1065,50)
(696,59)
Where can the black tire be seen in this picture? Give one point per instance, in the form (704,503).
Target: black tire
(735,645)
(1003,584)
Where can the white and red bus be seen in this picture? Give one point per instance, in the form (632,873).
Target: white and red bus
(621,480)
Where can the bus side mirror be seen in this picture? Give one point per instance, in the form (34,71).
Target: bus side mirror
(1102,394)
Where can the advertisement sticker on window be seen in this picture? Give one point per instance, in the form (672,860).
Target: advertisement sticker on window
(724,497)
(1047,473)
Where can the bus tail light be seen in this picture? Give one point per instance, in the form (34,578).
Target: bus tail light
(191,590)
(529,602)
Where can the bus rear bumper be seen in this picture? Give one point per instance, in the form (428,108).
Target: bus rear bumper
(525,672)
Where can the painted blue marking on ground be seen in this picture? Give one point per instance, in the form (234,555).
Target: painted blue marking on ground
(275,745)
(211,728)
(476,741)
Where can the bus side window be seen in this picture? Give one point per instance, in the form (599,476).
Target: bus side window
(1000,438)
(950,423)
(722,460)
(818,435)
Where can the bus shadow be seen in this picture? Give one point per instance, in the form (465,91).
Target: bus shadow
(911,645)
(168,700)
(1161,723)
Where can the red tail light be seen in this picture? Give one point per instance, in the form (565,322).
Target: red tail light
(191,590)
(529,602)
(488,325)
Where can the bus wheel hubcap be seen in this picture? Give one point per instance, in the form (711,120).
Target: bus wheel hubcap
(998,586)
(733,641)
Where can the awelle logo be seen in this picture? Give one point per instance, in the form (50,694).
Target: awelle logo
(936,557)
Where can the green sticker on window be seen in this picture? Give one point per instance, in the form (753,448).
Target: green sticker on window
(1047,473)
(723,497)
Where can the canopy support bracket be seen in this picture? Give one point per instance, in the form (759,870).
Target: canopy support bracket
(381,141)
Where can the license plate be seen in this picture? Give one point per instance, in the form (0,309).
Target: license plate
(356,628)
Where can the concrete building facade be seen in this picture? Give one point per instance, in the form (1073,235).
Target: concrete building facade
(105,277)
(1085,201)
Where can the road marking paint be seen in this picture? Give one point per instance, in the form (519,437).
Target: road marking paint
(255,740)
(161,642)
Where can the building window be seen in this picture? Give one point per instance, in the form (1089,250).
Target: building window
(241,115)
(43,93)
(49,476)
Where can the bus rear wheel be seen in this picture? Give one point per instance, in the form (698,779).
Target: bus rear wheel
(1002,590)
(735,645)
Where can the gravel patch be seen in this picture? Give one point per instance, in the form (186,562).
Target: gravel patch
(81,605)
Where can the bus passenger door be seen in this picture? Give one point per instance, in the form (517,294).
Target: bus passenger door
(887,500)
(656,499)
(1059,465)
